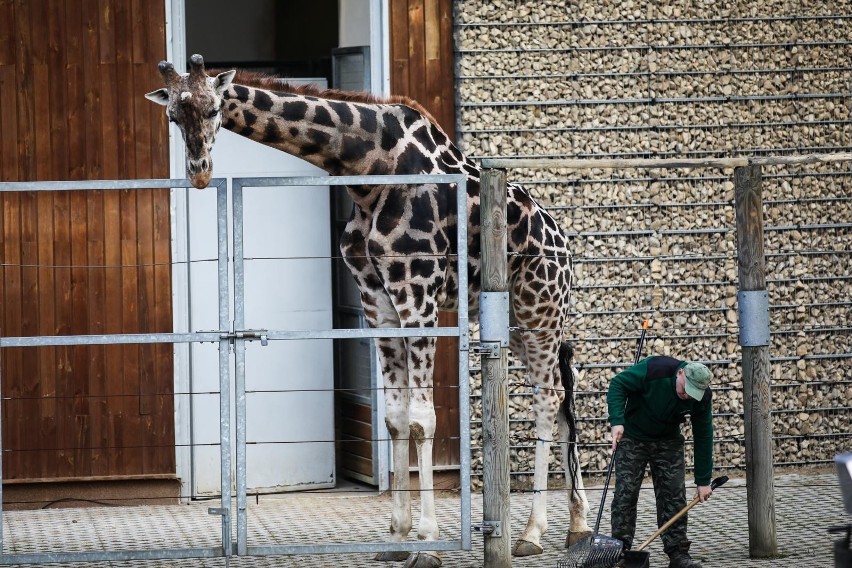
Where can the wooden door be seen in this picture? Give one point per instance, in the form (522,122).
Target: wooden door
(422,64)
(72,76)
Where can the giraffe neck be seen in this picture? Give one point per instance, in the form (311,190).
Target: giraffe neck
(344,133)
(331,135)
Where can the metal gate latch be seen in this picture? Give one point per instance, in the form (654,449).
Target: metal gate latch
(249,335)
(254,335)
(493,529)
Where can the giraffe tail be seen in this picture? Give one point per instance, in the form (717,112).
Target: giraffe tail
(566,354)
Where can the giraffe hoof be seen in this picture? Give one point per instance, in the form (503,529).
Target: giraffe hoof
(423,560)
(575,537)
(526,548)
(392,556)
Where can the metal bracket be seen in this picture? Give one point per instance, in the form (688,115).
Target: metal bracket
(493,529)
(753,309)
(222,334)
(494,317)
(490,349)
(227,545)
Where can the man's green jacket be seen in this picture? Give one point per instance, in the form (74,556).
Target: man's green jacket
(643,399)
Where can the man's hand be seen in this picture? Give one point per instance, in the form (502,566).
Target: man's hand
(617,433)
(704,493)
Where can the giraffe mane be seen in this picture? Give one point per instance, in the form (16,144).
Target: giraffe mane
(273,83)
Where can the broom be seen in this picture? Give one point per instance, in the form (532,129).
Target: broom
(597,550)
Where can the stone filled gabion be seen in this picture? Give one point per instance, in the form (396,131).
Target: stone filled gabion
(687,79)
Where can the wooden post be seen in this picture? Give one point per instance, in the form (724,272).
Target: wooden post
(495,372)
(753,308)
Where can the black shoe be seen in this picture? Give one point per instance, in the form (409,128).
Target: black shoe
(682,559)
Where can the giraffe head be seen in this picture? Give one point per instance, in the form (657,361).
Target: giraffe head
(193,101)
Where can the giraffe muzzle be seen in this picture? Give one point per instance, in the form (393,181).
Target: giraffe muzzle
(199,173)
(201,180)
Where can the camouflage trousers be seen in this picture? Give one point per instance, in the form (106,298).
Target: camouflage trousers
(667,472)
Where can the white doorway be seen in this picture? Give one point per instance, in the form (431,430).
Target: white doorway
(290,434)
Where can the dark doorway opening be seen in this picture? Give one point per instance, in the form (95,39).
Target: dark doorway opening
(286,39)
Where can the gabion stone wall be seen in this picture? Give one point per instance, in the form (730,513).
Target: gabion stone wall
(696,78)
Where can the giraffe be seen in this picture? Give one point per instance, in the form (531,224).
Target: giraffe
(399,244)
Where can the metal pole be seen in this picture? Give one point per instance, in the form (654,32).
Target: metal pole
(494,334)
(224,374)
(464,364)
(753,308)
(240,365)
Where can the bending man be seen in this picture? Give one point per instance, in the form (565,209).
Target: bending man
(647,404)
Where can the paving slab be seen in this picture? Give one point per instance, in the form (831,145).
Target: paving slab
(806,505)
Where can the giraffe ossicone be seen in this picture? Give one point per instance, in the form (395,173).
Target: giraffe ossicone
(400,245)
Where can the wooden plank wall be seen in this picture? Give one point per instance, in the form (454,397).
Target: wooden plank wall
(72,76)
(422,67)
(354,425)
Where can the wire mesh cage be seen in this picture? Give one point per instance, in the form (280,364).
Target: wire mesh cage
(679,80)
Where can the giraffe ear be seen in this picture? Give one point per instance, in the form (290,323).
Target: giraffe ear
(223,81)
(160,96)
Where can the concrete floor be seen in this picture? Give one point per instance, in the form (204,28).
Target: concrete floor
(806,505)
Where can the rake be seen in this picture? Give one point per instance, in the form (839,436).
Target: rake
(597,550)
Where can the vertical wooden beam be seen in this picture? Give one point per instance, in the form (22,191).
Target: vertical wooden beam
(495,372)
(754,339)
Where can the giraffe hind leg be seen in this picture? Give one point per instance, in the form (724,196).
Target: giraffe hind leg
(540,351)
(522,546)
(579,507)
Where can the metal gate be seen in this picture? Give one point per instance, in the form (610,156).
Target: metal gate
(221,337)
(232,337)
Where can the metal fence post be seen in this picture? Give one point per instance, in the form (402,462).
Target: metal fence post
(494,335)
(224,369)
(753,308)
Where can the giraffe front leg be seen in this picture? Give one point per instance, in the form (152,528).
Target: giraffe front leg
(422,412)
(401,514)
(391,357)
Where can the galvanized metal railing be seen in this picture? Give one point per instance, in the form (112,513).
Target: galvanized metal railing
(233,334)
(239,185)
(220,337)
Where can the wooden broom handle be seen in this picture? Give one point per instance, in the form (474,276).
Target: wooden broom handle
(718,482)
(669,523)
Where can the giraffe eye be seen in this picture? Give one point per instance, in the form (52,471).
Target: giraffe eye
(213,112)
